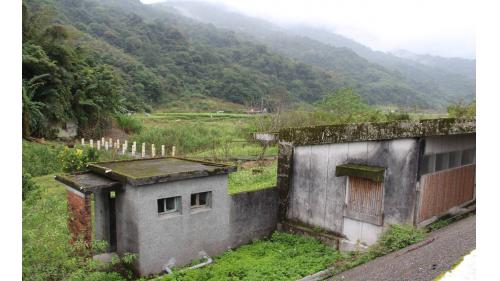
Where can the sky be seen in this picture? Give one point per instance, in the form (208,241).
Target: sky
(437,27)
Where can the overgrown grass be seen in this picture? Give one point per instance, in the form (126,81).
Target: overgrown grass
(129,124)
(40,159)
(43,159)
(47,253)
(282,257)
(252,179)
(394,238)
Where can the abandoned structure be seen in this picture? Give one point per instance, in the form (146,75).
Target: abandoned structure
(168,211)
(353,180)
(340,183)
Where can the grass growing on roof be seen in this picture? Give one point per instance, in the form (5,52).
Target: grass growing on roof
(282,257)
(247,180)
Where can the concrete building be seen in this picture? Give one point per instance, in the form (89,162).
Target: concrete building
(168,211)
(342,184)
(351,181)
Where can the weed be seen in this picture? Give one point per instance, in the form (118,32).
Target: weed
(247,180)
(40,159)
(129,124)
(283,256)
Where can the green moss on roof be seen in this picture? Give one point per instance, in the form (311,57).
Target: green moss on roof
(373,173)
(153,170)
(376,131)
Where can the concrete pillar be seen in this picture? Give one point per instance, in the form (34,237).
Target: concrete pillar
(106,146)
(153,150)
(83,141)
(285,170)
(91,143)
(101,215)
(163,150)
(173,150)
(143,150)
(98,145)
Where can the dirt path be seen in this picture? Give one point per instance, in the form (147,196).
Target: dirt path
(423,261)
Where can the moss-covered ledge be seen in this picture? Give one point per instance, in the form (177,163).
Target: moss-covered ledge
(376,131)
(373,173)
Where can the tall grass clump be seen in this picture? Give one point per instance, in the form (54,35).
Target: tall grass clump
(129,124)
(40,159)
(187,138)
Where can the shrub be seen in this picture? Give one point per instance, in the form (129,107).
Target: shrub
(462,110)
(76,159)
(40,159)
(398,237)
(129,124)
(28,185)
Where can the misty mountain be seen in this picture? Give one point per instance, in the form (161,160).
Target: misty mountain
(380,77)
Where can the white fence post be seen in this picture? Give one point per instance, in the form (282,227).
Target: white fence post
(163,150)
(106,145)
(83,141)
(173,150)
(98,145)
(91,143)
(143,150)
(153,150)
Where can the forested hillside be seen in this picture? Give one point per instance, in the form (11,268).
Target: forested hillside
(380,77)
(146,57)
(86,60)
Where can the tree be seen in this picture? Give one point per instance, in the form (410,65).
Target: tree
(32,109)
(345,103)
(462,110)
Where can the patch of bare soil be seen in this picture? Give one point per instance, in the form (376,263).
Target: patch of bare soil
(116,133)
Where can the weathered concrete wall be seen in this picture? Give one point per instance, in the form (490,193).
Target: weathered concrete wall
(317,196)
(101,215)
(179,237)
(253,215)
(127,232)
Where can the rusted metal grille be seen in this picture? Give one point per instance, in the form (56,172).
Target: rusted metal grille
(444,190)
(364,200)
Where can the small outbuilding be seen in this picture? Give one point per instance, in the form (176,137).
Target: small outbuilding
(351,181)
(165,210)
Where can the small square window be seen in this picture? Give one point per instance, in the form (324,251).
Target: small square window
(201,199)
(442,161)
(428,163)
(168,205)
(455,159)
(468,156)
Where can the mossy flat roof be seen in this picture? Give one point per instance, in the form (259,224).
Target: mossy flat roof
(373,173)
(342,133)
(156,170)
(87,181)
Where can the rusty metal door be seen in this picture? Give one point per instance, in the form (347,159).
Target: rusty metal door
(443,190)
(364,200)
